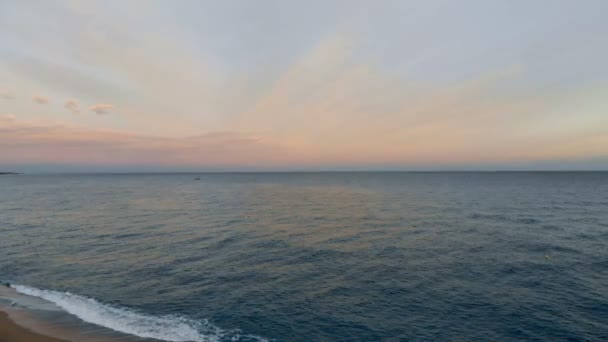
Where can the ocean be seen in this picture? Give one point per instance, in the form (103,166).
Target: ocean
(337,256)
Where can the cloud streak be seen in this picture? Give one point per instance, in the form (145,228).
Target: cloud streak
(38,143)
(31,142)
(355,114)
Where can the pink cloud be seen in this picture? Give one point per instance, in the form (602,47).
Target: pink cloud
(7,118)
(30,142)
(35,142)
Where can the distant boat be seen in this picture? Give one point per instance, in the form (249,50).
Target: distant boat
(197,178)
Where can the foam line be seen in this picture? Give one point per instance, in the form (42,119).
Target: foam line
(168,328)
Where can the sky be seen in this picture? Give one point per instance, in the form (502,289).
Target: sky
(303,85)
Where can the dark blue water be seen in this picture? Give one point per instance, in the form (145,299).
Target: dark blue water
(322,256)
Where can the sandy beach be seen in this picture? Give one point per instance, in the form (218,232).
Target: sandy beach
(11,332)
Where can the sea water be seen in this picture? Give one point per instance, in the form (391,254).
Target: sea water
(315,256)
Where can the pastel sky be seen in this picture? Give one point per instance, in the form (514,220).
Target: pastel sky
(303,85)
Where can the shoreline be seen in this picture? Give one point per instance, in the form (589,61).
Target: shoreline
(11,331)
(25,325)
(25,318)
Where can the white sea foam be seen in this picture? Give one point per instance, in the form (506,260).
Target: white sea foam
(167,328)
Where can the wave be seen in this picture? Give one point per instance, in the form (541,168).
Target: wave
(172,328)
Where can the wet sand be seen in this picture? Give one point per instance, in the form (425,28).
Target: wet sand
(11,332)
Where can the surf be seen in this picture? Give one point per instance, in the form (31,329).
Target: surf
(173,328)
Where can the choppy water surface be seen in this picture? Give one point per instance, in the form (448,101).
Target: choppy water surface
(316,256)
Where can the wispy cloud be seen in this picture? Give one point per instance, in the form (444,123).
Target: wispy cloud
(101,108)
(327,108)
(6,95)
(342,100)
(354,112)
(40,99)
(72,106)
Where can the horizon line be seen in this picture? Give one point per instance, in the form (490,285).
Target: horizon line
(290,171)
